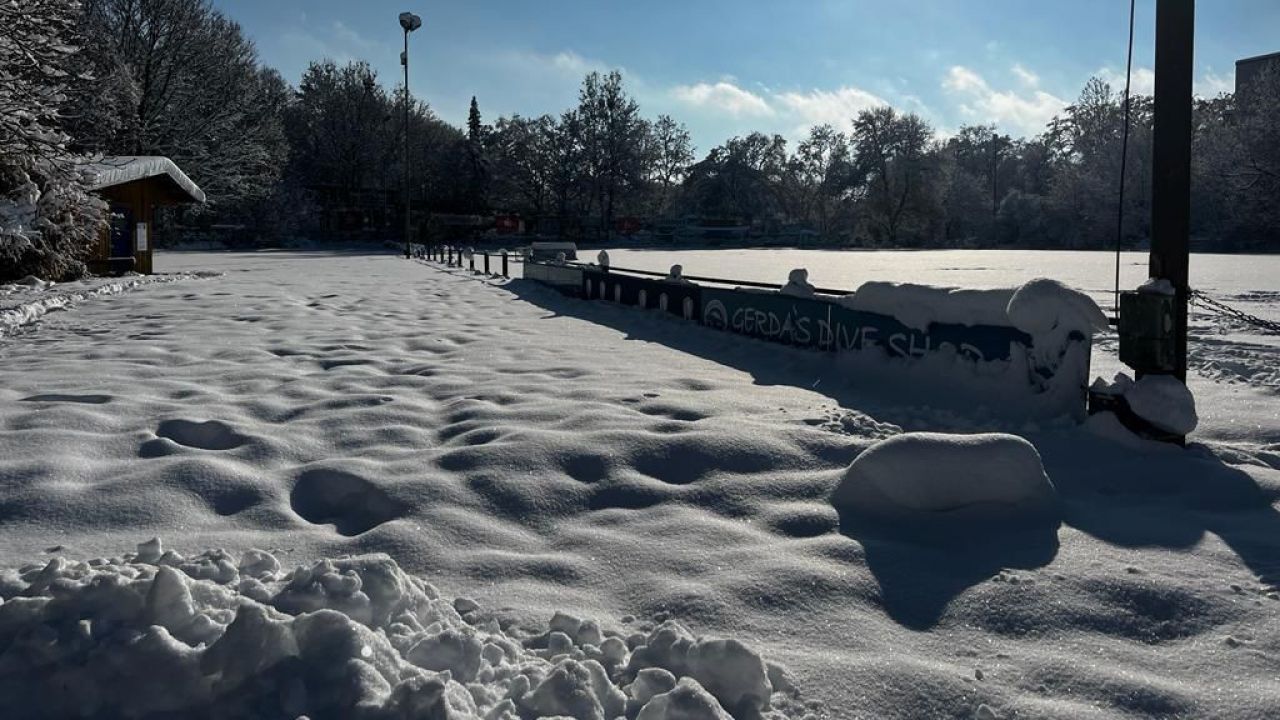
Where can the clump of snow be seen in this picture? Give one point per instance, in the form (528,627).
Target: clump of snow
(1165,402)
(798,284)
(1157,286)
(1043,307)
(153,633)
(918,473)
(687,701)
(918,306)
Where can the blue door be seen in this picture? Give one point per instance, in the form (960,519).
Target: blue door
(122,228)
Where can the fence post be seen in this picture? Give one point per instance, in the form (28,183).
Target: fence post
(471,262)
(450,263)
(504,265)
(486,262)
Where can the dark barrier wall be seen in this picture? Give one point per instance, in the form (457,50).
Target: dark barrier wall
(827,325)
(677,298)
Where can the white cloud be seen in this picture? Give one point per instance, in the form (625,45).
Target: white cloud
(1208,85)
(1144,80)
(1024,113)
(1212,84)
(830,107)
(1027,77)
(724,96)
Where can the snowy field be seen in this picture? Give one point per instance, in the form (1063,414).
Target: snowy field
(524,453)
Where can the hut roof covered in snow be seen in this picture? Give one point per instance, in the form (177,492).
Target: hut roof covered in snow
(118,170)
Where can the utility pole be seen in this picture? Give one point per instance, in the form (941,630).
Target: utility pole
(409,22)
(1171,162)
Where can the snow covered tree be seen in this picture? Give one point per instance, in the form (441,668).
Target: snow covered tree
(47,220)
(177,78)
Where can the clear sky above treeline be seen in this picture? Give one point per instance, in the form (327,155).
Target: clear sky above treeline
(726,67)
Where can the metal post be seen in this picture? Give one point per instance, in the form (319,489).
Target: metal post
(471,262)
(1171,161)
(486,262)
(504,265)
(449,249)
(407,223)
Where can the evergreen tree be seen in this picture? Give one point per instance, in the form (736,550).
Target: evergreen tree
(478,165)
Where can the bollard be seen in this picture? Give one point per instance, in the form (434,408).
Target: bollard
(504,265)
(486,262)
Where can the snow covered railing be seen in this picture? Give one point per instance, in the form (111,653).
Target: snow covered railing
(1027,346)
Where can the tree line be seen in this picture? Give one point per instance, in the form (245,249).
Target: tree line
(180,79)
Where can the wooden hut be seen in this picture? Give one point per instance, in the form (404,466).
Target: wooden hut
(135,186)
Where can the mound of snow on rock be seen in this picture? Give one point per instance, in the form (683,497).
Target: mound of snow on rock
(1163,401)
(918,473)
(154,634)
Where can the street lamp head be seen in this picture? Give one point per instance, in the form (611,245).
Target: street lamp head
(410,22)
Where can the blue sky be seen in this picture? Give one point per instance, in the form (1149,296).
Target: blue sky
(725,67)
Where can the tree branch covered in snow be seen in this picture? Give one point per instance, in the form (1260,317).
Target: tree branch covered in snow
(47,220)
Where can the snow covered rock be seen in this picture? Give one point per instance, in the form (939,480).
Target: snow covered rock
(1165,402)
(688,701)
(917,473)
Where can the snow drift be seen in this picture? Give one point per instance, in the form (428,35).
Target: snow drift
(155,634)
(917,474)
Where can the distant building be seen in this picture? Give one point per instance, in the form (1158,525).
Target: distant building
(1249,70)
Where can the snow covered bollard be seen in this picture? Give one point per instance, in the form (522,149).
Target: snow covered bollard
(924,476)
(798,284)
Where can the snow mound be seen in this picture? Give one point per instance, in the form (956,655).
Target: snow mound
(1043,306)
(1163,401)
(154,634)
(918,306)
(24,303)
(917,473)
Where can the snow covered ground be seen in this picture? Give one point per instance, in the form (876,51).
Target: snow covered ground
(529,453)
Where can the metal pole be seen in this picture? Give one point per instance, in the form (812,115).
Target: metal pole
(407,241)
(1171,161)
(486,262)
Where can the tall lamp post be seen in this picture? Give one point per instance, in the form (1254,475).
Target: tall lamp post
(409,22)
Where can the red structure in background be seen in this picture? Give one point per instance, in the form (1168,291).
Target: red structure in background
(508,224)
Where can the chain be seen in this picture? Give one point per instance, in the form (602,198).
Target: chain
(1220,308)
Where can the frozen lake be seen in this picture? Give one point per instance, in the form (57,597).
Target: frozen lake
(1251,279)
